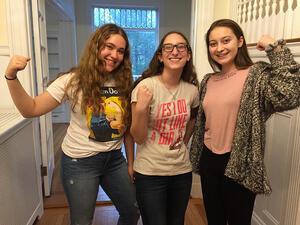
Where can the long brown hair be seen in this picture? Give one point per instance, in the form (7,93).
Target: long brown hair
(242,59)
(90,74)
(156,66)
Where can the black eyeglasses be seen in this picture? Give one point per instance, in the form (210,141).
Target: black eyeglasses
(181,47)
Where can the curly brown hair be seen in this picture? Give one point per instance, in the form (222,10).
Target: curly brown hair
(156,66)
(90,74)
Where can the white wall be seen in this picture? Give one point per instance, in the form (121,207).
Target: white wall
(173,15)
(13,20)
(3,24)
(19,192)
(4,55)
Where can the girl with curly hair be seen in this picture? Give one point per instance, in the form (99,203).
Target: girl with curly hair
(92,146)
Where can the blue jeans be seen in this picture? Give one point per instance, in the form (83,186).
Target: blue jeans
(163,199)
(81,179)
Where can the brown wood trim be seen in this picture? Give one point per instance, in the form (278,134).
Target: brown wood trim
(291,40)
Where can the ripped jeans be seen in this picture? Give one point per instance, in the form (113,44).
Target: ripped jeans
(81,179)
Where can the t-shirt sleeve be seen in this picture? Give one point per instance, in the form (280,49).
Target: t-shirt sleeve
(134,93)
(146,82)
(57,88)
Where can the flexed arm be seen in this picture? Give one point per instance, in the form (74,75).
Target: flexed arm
(27,105)
(140,114)
(282,87)
(264,41)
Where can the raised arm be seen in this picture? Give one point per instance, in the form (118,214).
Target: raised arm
(140,114)
(282,87)
(27,105)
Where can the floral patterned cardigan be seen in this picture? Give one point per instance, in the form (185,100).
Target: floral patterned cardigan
(269,88)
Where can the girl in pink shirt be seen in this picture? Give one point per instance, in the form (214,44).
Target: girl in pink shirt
(229,136)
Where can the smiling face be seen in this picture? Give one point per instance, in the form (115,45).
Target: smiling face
(113,52)
(223,46)
(174,53)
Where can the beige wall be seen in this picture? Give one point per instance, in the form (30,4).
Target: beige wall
(221,9)
(3,24)
(173,14)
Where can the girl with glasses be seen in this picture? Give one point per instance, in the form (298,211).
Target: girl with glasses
(164,102)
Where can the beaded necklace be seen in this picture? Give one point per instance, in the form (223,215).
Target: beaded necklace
(223,76)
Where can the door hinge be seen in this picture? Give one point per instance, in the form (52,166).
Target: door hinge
(44,171)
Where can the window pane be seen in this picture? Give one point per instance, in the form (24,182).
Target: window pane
(133,18)
(142,49)
(149,19)
(118,16)
(138,19)
(153,18)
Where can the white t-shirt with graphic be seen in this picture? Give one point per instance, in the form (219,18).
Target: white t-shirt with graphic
(91,133)
(169,114)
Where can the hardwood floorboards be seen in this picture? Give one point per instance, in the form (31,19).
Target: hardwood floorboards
(108,215)
(56,210)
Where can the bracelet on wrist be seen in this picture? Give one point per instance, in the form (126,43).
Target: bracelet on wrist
(10,78)
(273,46)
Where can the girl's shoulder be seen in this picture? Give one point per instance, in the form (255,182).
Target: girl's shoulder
(258,67)
(149,82)
(188,85)
(152,79)
(259,64)
(65,77)
(206,77)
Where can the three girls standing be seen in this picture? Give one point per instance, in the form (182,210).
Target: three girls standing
(229,137)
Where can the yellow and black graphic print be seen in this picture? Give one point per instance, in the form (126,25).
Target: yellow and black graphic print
(108,124)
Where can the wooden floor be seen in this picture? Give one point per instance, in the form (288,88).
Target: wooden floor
(108,215)
(56,206)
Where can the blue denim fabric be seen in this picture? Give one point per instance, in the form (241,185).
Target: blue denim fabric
(163,199)
(81,179)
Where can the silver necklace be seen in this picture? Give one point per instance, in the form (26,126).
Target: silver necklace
(170,92)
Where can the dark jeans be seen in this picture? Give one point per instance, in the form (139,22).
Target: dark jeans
(225,200)
(81,179)
(163,199)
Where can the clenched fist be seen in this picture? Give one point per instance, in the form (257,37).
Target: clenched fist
(264,41)
(16,64)
(144,97)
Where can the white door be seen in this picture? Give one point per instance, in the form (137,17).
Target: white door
(42,73)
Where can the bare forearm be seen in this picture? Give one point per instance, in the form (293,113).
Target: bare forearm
(30,106)
(129,148)
(23,102)
(139,125)
(189,131)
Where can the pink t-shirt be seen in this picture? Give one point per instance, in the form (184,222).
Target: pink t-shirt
(221,105)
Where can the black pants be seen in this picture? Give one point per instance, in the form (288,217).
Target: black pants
(225,200)
(163,199)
